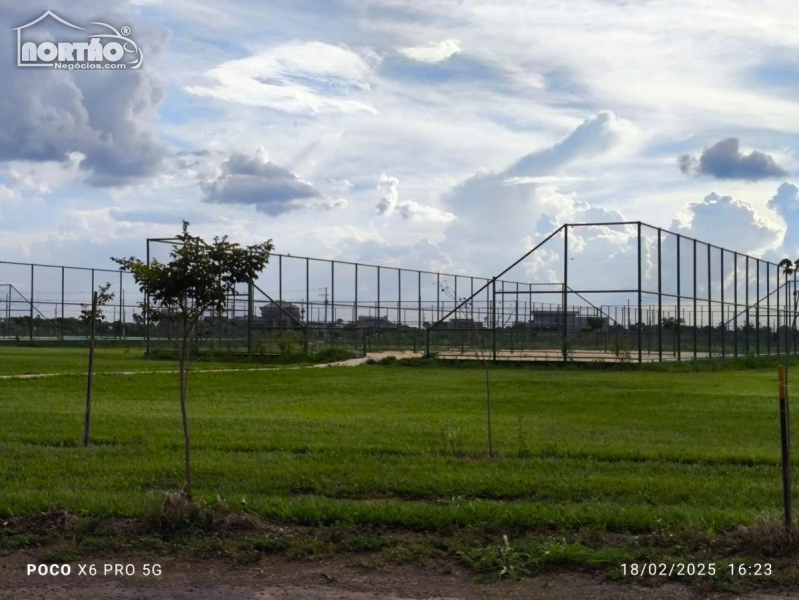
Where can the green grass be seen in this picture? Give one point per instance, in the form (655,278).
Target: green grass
(627,452)
(29,361)
(25,361)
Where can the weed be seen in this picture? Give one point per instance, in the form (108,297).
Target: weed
(500,561)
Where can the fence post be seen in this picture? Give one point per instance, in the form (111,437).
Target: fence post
(30,327)
(494,319)
(427,343)
(63,316)
(565,313)
(639,324)
(250,306)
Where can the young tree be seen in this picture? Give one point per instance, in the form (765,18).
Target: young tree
(479,352)
(194,285)
(92,314)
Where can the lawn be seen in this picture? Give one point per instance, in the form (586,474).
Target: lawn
(619,451)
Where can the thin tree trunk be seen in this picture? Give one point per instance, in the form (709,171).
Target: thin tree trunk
(87,419)
(186,436)
(486,366)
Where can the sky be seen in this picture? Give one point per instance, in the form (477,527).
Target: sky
(445,135)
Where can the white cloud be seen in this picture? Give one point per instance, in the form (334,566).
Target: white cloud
(7,196)
(540,180)
(498,219)
(432,53)
(730,223)
(41,178)
(296,78)
(272,189)
(407,209)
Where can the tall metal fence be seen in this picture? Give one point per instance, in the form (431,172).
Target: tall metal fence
(658,295)
(662,296)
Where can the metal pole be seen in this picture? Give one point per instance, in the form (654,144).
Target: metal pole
(757,309)
(748,324)
(640,299)
(146,315)
(679,313)
(438,296)
(565,290)
(30,325)
(735,301)
(471,291)
(694,292)
(308,291)
(355,310)
(378,305)
(419,284)
(660,298)
(709,308)
(121,315)
(62,304)
(250,306)
(494,320)
(399,301)
(723,314)
(768,308)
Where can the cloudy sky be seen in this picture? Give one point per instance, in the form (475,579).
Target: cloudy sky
(445,134)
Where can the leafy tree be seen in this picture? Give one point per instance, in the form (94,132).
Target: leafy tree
(595,323)
(92,314)
(672,322)
(183,293)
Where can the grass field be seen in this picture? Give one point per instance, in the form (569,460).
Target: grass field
(621,452)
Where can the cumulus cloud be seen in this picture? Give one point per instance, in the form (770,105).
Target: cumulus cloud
(786,204)
(730,223)
(432,53)
(272,189)
(498,212)
(296,78)
(107,116)
(724,160)
(407,209)
(427,255)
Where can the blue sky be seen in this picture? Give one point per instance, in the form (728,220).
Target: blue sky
(437,135)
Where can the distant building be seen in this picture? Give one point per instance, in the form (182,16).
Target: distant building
(364,322)
(281,314)
(461,324)
(552,320)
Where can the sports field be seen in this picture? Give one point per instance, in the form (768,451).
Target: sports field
(399,448)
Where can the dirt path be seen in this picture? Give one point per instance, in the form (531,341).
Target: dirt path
(353,362)
(335,579)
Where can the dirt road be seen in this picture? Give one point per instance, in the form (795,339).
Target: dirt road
(278,579)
